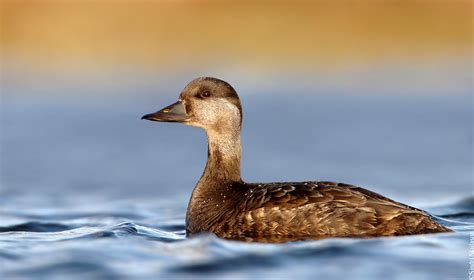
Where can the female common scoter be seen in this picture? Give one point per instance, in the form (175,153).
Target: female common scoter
(273,212)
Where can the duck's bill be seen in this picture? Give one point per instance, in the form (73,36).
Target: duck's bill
(175,112)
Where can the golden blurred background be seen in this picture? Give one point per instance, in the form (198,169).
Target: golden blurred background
(72,39)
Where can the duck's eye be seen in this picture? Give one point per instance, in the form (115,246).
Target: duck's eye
(205,94)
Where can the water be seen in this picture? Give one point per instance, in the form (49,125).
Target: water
(90,191)
(98,239)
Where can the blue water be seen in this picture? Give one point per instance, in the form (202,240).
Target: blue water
(89,191)
(86,239)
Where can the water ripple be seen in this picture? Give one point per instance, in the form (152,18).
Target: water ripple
(94,244)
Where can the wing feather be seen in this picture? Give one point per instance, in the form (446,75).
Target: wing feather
(318,209)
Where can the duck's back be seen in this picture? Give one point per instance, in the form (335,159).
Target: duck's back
(280,212)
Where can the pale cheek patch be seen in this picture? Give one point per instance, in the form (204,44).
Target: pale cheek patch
(216,112)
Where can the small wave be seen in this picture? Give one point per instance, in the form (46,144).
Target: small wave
(50,232)
(461,215)
(458,215)
(174,228)
(36,227)
(147,232)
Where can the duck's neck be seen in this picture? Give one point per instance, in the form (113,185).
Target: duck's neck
(215,190)
(223,162)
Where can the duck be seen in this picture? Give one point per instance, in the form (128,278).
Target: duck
(223,204)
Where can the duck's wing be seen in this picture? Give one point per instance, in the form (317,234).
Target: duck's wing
(288,195)
(291,194)
(322,209)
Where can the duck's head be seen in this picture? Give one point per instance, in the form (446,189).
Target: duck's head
(208,103)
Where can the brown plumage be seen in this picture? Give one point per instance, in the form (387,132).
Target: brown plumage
(274,212)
